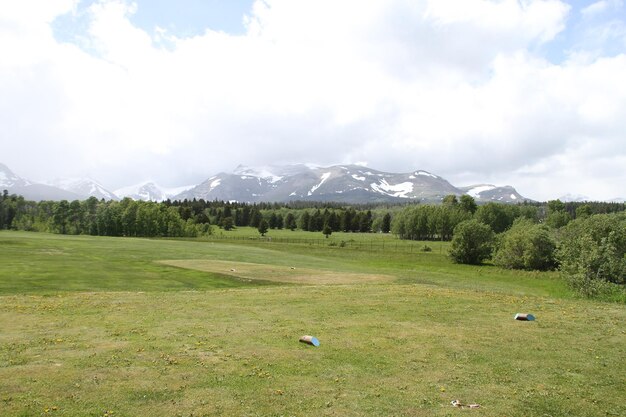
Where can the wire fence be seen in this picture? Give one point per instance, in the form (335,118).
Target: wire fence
(404,246)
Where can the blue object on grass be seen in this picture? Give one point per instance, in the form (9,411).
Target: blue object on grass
(310,340)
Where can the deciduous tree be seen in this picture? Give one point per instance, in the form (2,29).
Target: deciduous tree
(472,242)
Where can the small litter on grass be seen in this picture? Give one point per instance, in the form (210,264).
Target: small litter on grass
(233,270)
(459,404)
(524,317)
(293,267)
(310,340)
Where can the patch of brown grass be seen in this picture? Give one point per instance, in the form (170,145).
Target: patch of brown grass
(292,275)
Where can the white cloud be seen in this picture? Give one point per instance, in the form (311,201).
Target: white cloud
(453,87)
(599,7)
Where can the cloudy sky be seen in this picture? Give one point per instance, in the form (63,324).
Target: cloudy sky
(530,93)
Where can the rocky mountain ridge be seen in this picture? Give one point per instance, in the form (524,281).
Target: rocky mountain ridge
(338,183)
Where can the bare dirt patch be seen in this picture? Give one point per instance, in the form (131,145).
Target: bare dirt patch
(277,273)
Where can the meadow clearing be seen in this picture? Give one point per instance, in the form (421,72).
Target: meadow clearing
(97,326)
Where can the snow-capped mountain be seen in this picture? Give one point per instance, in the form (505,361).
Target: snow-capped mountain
(489,192)
(84,187)
(8,179)
(149,191)
(341,183)
(15,184)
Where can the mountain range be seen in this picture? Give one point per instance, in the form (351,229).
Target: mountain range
(339,183)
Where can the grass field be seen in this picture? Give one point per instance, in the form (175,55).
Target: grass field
(136,327)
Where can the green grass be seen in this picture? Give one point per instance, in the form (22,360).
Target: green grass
(377,241)
(97,326)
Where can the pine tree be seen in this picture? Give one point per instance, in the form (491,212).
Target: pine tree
(290,221)
(305,220)
(386,226)
(263,226)
(327,230)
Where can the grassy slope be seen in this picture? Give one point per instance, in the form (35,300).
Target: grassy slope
(387,349)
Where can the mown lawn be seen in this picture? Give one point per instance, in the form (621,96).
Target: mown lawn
(97,326)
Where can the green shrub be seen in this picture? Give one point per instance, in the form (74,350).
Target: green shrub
(525,245)
(472,242)
(592,254)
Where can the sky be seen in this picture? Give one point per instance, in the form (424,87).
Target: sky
(528,93)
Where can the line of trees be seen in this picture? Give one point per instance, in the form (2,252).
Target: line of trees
(306,216)
(97,217)
(429,222)
(186,218)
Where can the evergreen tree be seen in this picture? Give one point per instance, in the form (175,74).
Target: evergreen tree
(327,230)
(290,221)
(273,222)
(386,225)
(245,216)
(316,222)
(305,220)
(334,221)
(346,220)
(365,222)
(263,226)
(255,218)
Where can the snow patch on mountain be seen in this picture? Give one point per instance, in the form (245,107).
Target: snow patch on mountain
(356,177)
(266,172)
(475,192)
(324,177)
(425,174)
(215,183)
(399,190)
